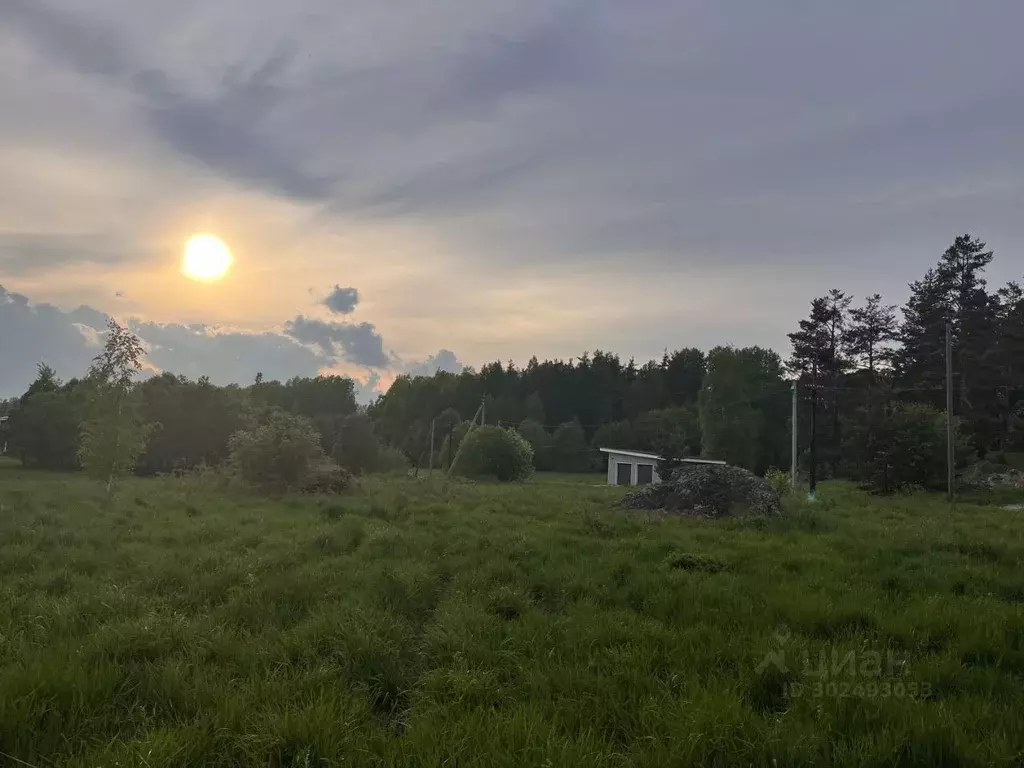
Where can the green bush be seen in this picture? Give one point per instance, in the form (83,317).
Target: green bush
(356,447)
(909,449)
(281,454)
(45,424)
(391,459)
(494,452)
(327,478)
(779,481)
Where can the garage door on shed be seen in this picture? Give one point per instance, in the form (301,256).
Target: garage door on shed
(623,473)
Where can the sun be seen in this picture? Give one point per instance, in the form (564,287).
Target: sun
(207,258)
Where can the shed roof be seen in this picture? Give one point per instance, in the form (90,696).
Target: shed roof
(656,457)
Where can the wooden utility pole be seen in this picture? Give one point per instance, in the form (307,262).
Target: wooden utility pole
(472,425)
(792,461)
(483,410)
(430,469)
(950,449)
(451,442)
(813,484)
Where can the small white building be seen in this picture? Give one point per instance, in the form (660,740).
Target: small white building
(637,468)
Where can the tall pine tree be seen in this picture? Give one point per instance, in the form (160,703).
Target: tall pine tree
(819,358)
(955,291)
(872,329)
(1011,367)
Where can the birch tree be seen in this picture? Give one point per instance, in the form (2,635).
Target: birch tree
(114,433)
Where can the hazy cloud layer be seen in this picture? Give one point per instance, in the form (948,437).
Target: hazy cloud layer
(703,169)
(34,333)
(225,356)
(27,252)
(31,333)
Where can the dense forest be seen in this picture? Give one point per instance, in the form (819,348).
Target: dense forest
(868,377)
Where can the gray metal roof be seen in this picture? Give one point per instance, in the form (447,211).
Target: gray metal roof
(656,457)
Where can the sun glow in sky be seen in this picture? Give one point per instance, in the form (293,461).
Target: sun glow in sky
(207,258)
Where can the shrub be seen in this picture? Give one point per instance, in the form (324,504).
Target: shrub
(278,455)
(327,478)
(45,429)
(909,449)
(356,447)
(390,459)
(779,481)
(495,452)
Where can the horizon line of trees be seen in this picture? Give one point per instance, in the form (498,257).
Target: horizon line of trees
(873,373)
(190,422)
(862,368)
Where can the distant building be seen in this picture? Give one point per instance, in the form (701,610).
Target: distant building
(637,468)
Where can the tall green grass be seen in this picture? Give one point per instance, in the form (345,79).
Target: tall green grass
(537,624)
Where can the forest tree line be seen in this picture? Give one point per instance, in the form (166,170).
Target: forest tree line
(868,376)
(192,421)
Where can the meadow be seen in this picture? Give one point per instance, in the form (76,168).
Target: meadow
(417,623)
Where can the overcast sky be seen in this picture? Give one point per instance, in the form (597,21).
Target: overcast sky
(413,185)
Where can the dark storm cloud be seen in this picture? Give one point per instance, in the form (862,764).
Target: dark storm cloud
(444,360)
(357,343)
(341,301)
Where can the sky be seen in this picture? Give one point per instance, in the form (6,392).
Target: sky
(411,186)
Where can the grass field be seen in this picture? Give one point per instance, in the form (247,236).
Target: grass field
(526,625)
